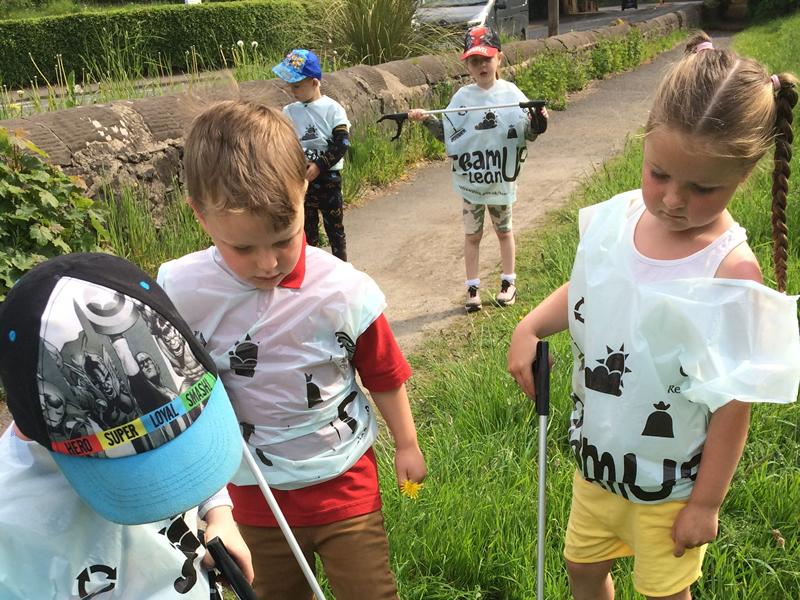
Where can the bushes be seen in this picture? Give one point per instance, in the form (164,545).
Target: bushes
(168,33)
(42,212)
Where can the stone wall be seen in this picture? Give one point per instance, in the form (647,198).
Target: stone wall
(138,143)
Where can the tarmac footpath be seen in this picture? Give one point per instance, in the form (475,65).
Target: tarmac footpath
(410,237)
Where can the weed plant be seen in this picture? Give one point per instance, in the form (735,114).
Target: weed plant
(135,235)
(378,31)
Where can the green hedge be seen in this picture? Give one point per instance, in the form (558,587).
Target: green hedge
(170,31)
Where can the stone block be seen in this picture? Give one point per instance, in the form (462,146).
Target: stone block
(43,138)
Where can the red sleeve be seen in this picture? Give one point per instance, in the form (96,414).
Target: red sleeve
(379,360)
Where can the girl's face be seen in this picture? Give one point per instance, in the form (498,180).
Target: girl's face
(484,69)
(684,188)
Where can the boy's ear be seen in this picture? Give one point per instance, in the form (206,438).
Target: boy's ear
(197,214)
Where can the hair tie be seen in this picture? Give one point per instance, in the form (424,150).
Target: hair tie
(703,46)
(776,82)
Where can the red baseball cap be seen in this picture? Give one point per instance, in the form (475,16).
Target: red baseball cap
(480,40)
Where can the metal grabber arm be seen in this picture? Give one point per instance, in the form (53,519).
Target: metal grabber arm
(534,108)
(541,380)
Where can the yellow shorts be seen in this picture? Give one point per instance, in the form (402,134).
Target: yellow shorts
(603,526)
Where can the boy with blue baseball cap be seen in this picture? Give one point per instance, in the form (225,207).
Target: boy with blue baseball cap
(106,460)
(323,130)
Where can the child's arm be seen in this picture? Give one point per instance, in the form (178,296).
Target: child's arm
(384,370)
(549,317)
(337,148)
(697,523)
(408,460)
(434,126)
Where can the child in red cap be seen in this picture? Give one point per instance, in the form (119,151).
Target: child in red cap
(487,148)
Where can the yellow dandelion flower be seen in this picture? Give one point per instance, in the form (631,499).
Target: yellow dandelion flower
(411,489)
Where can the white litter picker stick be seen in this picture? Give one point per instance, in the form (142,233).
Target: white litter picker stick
(534,107)
(287,532)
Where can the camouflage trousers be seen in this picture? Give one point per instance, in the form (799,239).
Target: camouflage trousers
(324,196)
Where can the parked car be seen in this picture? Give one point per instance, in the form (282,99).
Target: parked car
(507,16)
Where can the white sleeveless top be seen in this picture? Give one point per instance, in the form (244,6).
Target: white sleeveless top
(658,346)
(703,263)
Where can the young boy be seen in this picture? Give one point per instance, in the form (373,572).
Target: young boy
(322,128)
(288,325)
(100,470)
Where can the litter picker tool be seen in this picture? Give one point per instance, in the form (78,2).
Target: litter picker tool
(541,379)
(230,570)
(287,533)
(534,108)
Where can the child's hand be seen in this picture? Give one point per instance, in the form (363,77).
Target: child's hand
(417,114)
(539,120)
(220,523)
(409,464)
(521,353)
(694,526)
(312,172)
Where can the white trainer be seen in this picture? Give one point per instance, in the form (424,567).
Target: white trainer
(507,294)
(473,303)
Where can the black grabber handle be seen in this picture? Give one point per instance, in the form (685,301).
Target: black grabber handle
(534,108)
(398,118)
(541,378)
(228,567)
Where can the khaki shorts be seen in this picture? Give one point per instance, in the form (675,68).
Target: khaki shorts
(473,217)
(603,526)
(354,554)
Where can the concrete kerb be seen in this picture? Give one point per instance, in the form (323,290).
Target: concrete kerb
(140,141)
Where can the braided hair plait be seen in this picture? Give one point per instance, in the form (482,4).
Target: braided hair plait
(786,98)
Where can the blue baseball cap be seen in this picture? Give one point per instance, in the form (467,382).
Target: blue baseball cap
(297,65)
(101,370)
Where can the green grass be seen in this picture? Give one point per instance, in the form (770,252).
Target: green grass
(51,8)
(472,533)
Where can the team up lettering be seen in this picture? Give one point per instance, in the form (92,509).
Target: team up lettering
(488,166)
(162,415)
(198,392)
(601,467)
(120,435)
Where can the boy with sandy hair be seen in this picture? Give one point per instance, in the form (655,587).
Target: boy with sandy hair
(289,325)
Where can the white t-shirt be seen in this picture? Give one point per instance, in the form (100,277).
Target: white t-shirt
(655,356)
(284,357)
(314,123)
(487,148)
(54,546)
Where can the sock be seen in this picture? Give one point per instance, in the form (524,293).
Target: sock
(509,278)
(471,282)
